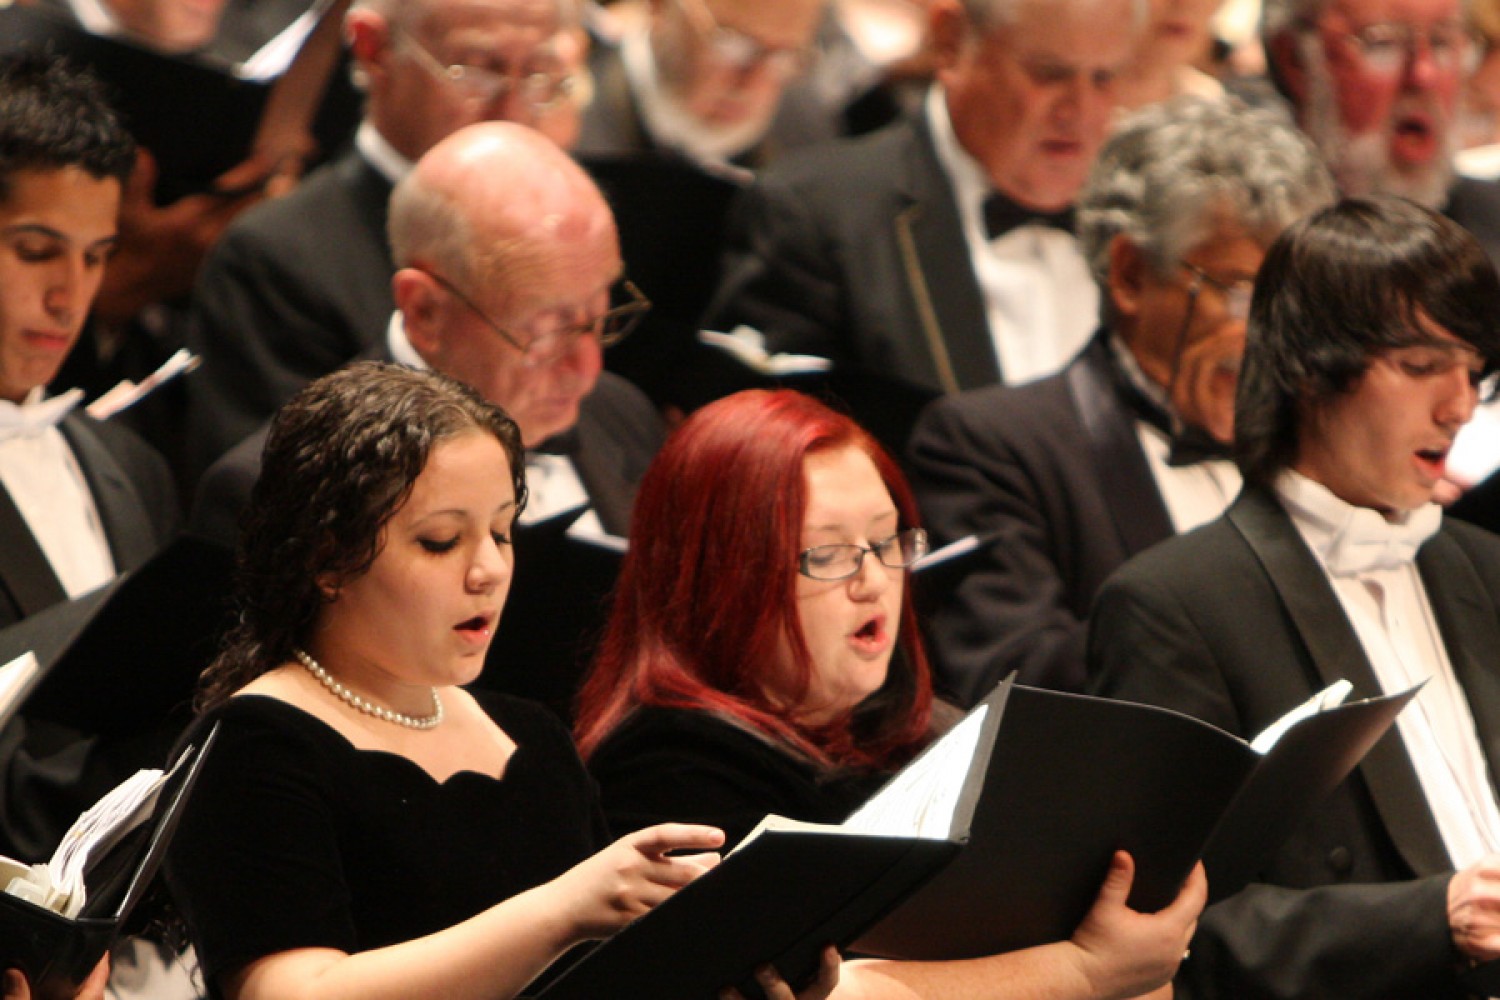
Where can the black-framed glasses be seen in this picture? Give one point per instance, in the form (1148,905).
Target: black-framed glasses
(843,560)
(1237,294)
(540,91)
(741,51)
(610,327)
(1387,47)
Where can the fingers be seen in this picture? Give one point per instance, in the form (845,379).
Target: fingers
(657,841)
(1194,893)
(1118,879)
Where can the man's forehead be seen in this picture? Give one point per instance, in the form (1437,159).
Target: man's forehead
(457,16)
(1071,32)
(1394,11)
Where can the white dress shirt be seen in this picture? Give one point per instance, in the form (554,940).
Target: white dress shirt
(44,480)
(1368,560)
(1041,299)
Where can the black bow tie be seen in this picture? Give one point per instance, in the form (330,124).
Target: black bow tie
(1193,445)
(1189,445)
(1001,215)
(562,443)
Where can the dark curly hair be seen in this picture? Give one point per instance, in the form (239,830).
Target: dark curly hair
(54,116)
(341,459)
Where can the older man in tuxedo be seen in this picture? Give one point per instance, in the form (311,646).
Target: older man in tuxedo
(301,285)
(1376,85)
(509,279)
(937,254)
(1068,477)
(1372,334)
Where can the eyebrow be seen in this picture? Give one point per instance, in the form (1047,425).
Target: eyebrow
(36,228)
(893,512)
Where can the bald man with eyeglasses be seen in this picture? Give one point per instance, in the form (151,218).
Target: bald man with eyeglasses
(508,277)
(301,285)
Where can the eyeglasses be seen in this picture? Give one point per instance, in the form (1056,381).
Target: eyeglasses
(1387,48)
(743,52)
(539,91)
(611,327)
(1237,294)
(840,562)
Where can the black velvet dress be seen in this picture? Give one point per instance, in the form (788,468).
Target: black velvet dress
(294,838)
(677,765)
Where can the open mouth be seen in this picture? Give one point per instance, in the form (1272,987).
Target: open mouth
(871,637)
(1415,137)
(1433,460)
(477,628)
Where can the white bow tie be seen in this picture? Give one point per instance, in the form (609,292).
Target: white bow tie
(31,419)
(1367,541)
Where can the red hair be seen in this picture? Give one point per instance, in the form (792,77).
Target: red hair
(709,586)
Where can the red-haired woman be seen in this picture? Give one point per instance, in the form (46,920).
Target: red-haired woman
(762,656)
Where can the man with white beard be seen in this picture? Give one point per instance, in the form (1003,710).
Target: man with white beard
(1375,84)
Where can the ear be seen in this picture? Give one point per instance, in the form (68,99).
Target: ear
(369,36)
(1127,274)
(419,299)
(947,26)
(1285,56)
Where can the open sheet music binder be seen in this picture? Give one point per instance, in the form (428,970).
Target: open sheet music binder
(123,658)
(1074,778)
(56,952)
(790,889)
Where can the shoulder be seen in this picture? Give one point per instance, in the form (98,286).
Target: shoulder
(141,464)
(1198,562)
(668,744)
(850,174)
(617,407)
(335,194)
(530,724)
(998,412)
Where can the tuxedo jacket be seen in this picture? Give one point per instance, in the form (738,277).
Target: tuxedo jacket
(561,585)
(295,288)
(1236,623)
(49,773)
(854,251)
(137,505)
(1475,205)
(1051,475)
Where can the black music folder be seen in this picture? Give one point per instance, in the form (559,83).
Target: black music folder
(128,655)
(56,952)
(790,889)
(1074,778)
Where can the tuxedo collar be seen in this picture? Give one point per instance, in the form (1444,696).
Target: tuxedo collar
(1335,653)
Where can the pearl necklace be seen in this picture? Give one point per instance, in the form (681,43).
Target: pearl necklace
(370,708)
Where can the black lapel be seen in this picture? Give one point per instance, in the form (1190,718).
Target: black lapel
(1465,613)
(598,462)
(939,274)
(25,573)
(1129,489)
(1336,653)
(121,510)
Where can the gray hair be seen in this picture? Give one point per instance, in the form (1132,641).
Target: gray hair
(1174,170)
(427,224)
(1278,16)
(993,15)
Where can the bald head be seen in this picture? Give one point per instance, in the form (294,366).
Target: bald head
(506,252)
(495,201)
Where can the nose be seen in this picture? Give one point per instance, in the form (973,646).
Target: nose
(872,579)
(1458,400)
(490,567)
(1422,70)
(67,295)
